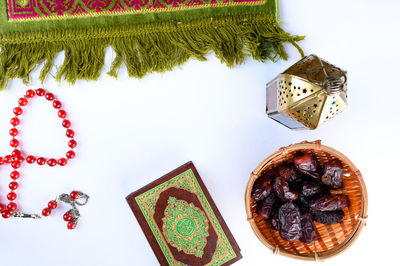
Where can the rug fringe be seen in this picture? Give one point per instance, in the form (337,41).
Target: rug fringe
(142,48)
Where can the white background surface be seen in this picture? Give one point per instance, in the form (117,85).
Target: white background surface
(131,132)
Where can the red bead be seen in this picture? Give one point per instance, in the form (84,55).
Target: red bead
(3,207)
(7,159)
(20,159)
(70,133)
(66,123)
(14,175)
(14,121)
(30,159)
(62,161)
(13,132)
(46,212)
(13,185)
(41,161)
(70,154)
(52,162)
(72,143)
(12,206)
(14,143)
(62,114)
(40,92)
(74,195)
(16,153)
(6,214)
(49,96)
(30,93)
(22,101)
(1,160)
(57,104)
(71,225)
(15,165)
(11,196)
(52,204)
(67,217)
(17,110)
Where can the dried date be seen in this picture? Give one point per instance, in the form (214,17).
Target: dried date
(329,217)
(329,203)
(265,207)
(263,185)
(307,164)
(289,222)
(311,188)
(288,172)
(308,231)
(332,174)
(282,190)
(303,203)
(261,192)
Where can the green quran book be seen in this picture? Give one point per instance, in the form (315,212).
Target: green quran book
(181,221)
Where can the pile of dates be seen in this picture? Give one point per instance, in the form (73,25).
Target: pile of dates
(295,194)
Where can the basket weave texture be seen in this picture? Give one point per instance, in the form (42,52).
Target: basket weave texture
(331,239)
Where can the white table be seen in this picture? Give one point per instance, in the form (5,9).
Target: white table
(131,132)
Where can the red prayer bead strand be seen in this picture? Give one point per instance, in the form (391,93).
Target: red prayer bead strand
(17,158)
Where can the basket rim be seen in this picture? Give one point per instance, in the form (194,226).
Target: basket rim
(353,235)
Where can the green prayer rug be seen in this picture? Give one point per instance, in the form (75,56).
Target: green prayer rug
(145,35)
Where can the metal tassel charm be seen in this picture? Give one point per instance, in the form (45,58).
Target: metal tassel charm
(75,198)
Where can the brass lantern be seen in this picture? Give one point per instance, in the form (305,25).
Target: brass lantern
(307,94)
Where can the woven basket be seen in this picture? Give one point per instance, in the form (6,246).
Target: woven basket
(331,239)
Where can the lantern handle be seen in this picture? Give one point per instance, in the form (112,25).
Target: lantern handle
(332,83)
